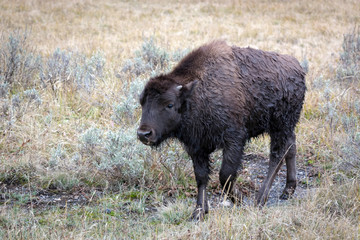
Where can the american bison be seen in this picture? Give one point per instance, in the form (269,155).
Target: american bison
(220,96)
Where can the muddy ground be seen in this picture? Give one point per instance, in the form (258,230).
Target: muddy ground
(254,173)
(250,179)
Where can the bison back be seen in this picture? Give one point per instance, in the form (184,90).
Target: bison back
(251,89)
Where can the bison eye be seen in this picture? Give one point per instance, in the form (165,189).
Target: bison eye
(170,105)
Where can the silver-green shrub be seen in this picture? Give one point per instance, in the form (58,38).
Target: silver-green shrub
(116,152)
(4,101)
(349,67)
(58,155)
(21,102)
(350,149)
(305,64)
(90,71)
(126,109)
(19,63)
(14,107)
(151,58)
(64,69)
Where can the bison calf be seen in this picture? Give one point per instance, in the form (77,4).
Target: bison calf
(218,97)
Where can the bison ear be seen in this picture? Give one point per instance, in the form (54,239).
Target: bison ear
(186,90)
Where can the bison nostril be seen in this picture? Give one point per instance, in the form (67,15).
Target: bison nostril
(147,134)
(144,134)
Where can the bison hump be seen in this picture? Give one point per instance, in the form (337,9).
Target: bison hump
(195,63)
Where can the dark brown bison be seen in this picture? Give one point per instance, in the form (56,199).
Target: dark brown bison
(218,97)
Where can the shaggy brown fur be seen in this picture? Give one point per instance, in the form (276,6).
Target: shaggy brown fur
(218,97)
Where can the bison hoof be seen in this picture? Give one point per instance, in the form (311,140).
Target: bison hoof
(236,197)
(198,214)
(287,194)
(284,196)
(261,200)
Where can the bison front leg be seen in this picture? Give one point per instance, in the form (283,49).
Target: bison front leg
(202,169)
(231,163)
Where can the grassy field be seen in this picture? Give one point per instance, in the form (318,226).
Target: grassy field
(70,75)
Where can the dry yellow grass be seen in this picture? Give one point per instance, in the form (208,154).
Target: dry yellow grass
(305,29)
(314,28)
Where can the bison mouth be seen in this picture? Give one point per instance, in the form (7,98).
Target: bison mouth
(149,143)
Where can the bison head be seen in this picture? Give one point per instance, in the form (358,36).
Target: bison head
(162,101)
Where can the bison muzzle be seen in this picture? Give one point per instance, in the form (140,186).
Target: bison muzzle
(219,97)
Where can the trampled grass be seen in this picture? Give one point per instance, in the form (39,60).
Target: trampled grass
(70,74)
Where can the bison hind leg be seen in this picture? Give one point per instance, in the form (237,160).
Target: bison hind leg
(282,148)
(290,168)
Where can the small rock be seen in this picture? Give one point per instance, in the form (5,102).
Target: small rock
(225,203)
